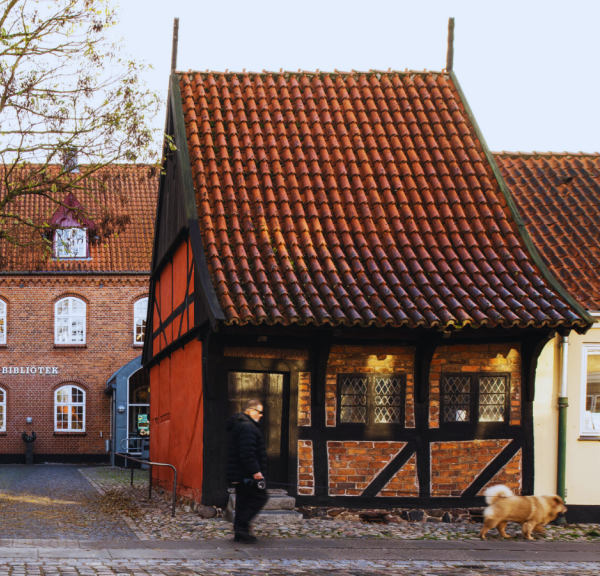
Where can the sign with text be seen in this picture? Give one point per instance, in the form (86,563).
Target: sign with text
(30,370)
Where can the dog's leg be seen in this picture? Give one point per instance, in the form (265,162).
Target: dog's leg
(539,529)
(502,529)
(488,524)
(527,528)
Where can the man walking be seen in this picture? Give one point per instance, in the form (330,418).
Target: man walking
(246,465)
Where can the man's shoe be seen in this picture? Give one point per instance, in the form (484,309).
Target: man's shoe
(247,538)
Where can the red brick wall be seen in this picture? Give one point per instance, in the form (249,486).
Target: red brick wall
(30,342)
(476,358)
(306,472)
(304,414)
(405,482)
(454,465)
(510,475)
(370,360)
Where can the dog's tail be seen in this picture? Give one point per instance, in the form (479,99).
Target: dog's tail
(493,493)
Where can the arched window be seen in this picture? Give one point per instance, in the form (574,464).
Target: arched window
(69,321)
(69,409)
(2,410)
(140,310)
(2,322)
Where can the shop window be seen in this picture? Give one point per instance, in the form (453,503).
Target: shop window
(2,322)
(2,410)
(590,421)
(69,409)
(371,398)
(140,310)
(138,423)
(69,321)
(71,243)
(474,397)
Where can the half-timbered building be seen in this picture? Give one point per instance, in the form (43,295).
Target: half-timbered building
(344,247)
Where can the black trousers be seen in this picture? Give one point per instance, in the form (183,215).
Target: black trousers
(249,501)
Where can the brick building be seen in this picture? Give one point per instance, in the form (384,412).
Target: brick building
(344,247)
(68,321)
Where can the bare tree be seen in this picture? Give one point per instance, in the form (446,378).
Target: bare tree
(71,104)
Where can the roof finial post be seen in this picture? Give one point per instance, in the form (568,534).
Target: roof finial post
(175,43)
(450,53)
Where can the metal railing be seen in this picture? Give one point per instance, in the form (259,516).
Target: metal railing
(150,464)
(136,448)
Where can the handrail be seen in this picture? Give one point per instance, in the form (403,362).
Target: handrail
(129,447)
(150,464)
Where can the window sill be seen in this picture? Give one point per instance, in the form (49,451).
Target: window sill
(137,345)
(588,439)
(5,433)
(70,433)
(70,345)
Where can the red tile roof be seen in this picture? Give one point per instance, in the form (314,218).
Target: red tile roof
(355,199)
(558,196)
(126,190)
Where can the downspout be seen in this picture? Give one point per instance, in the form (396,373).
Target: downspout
(563,403)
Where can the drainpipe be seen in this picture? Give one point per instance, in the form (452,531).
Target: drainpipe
(563,403)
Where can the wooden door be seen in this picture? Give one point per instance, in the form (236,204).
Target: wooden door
(272,391)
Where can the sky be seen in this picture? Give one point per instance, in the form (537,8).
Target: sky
(529,68)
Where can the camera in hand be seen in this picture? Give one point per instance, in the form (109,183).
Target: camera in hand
(260,484)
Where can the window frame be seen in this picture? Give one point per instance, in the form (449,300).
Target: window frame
(136,318)
(586,349)
(4,316)
(3,404)
(55,242)
(69,316)
(474,404)
(69,405)
(371,377)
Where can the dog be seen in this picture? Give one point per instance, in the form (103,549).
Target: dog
(532,512)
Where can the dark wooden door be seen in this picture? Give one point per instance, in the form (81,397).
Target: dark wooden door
(272,391)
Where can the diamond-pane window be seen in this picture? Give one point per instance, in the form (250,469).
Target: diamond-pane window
(388,400)
(371,399)
(456,398)
(492,398)
(353,399)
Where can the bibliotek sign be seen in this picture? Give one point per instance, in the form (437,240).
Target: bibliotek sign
(29,370)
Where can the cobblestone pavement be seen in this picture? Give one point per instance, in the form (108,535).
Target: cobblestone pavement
(288,568)
(55,502)
(152,519)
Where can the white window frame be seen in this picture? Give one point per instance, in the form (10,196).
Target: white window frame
(587,350)
(137,317)
(61,251)
(3,409)
(70,316)
(69,405)
(3,317)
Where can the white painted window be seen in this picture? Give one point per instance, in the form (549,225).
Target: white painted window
(2,410)
(69,321)
(2,322)
(70,243)
(140,310)
(590,389)
(69,409)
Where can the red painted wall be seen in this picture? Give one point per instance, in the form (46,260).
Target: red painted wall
(177,419)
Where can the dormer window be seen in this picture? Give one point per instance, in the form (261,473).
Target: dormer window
(71,243)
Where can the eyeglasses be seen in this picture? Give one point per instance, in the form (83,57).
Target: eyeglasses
(259,411)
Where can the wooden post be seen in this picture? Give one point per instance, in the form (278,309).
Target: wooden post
(175,43)
(450,53)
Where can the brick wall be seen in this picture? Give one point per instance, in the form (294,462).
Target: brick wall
(306,472)
(510,475)
(476,358)
(354,465)
(370,360)
(304,413)
(30,342)
(454,465)
(405,483)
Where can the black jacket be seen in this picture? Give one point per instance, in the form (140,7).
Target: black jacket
(246,448)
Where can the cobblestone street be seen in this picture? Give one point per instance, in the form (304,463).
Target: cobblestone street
(54,502)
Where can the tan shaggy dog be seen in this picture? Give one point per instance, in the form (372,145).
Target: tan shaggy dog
(532,512)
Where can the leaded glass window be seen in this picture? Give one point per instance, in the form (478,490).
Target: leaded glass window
(140,309)
(353,399)
(69,409)
(2,322)
(456,398)
(2,410)
(69,321)
(492,398)
(371,398)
